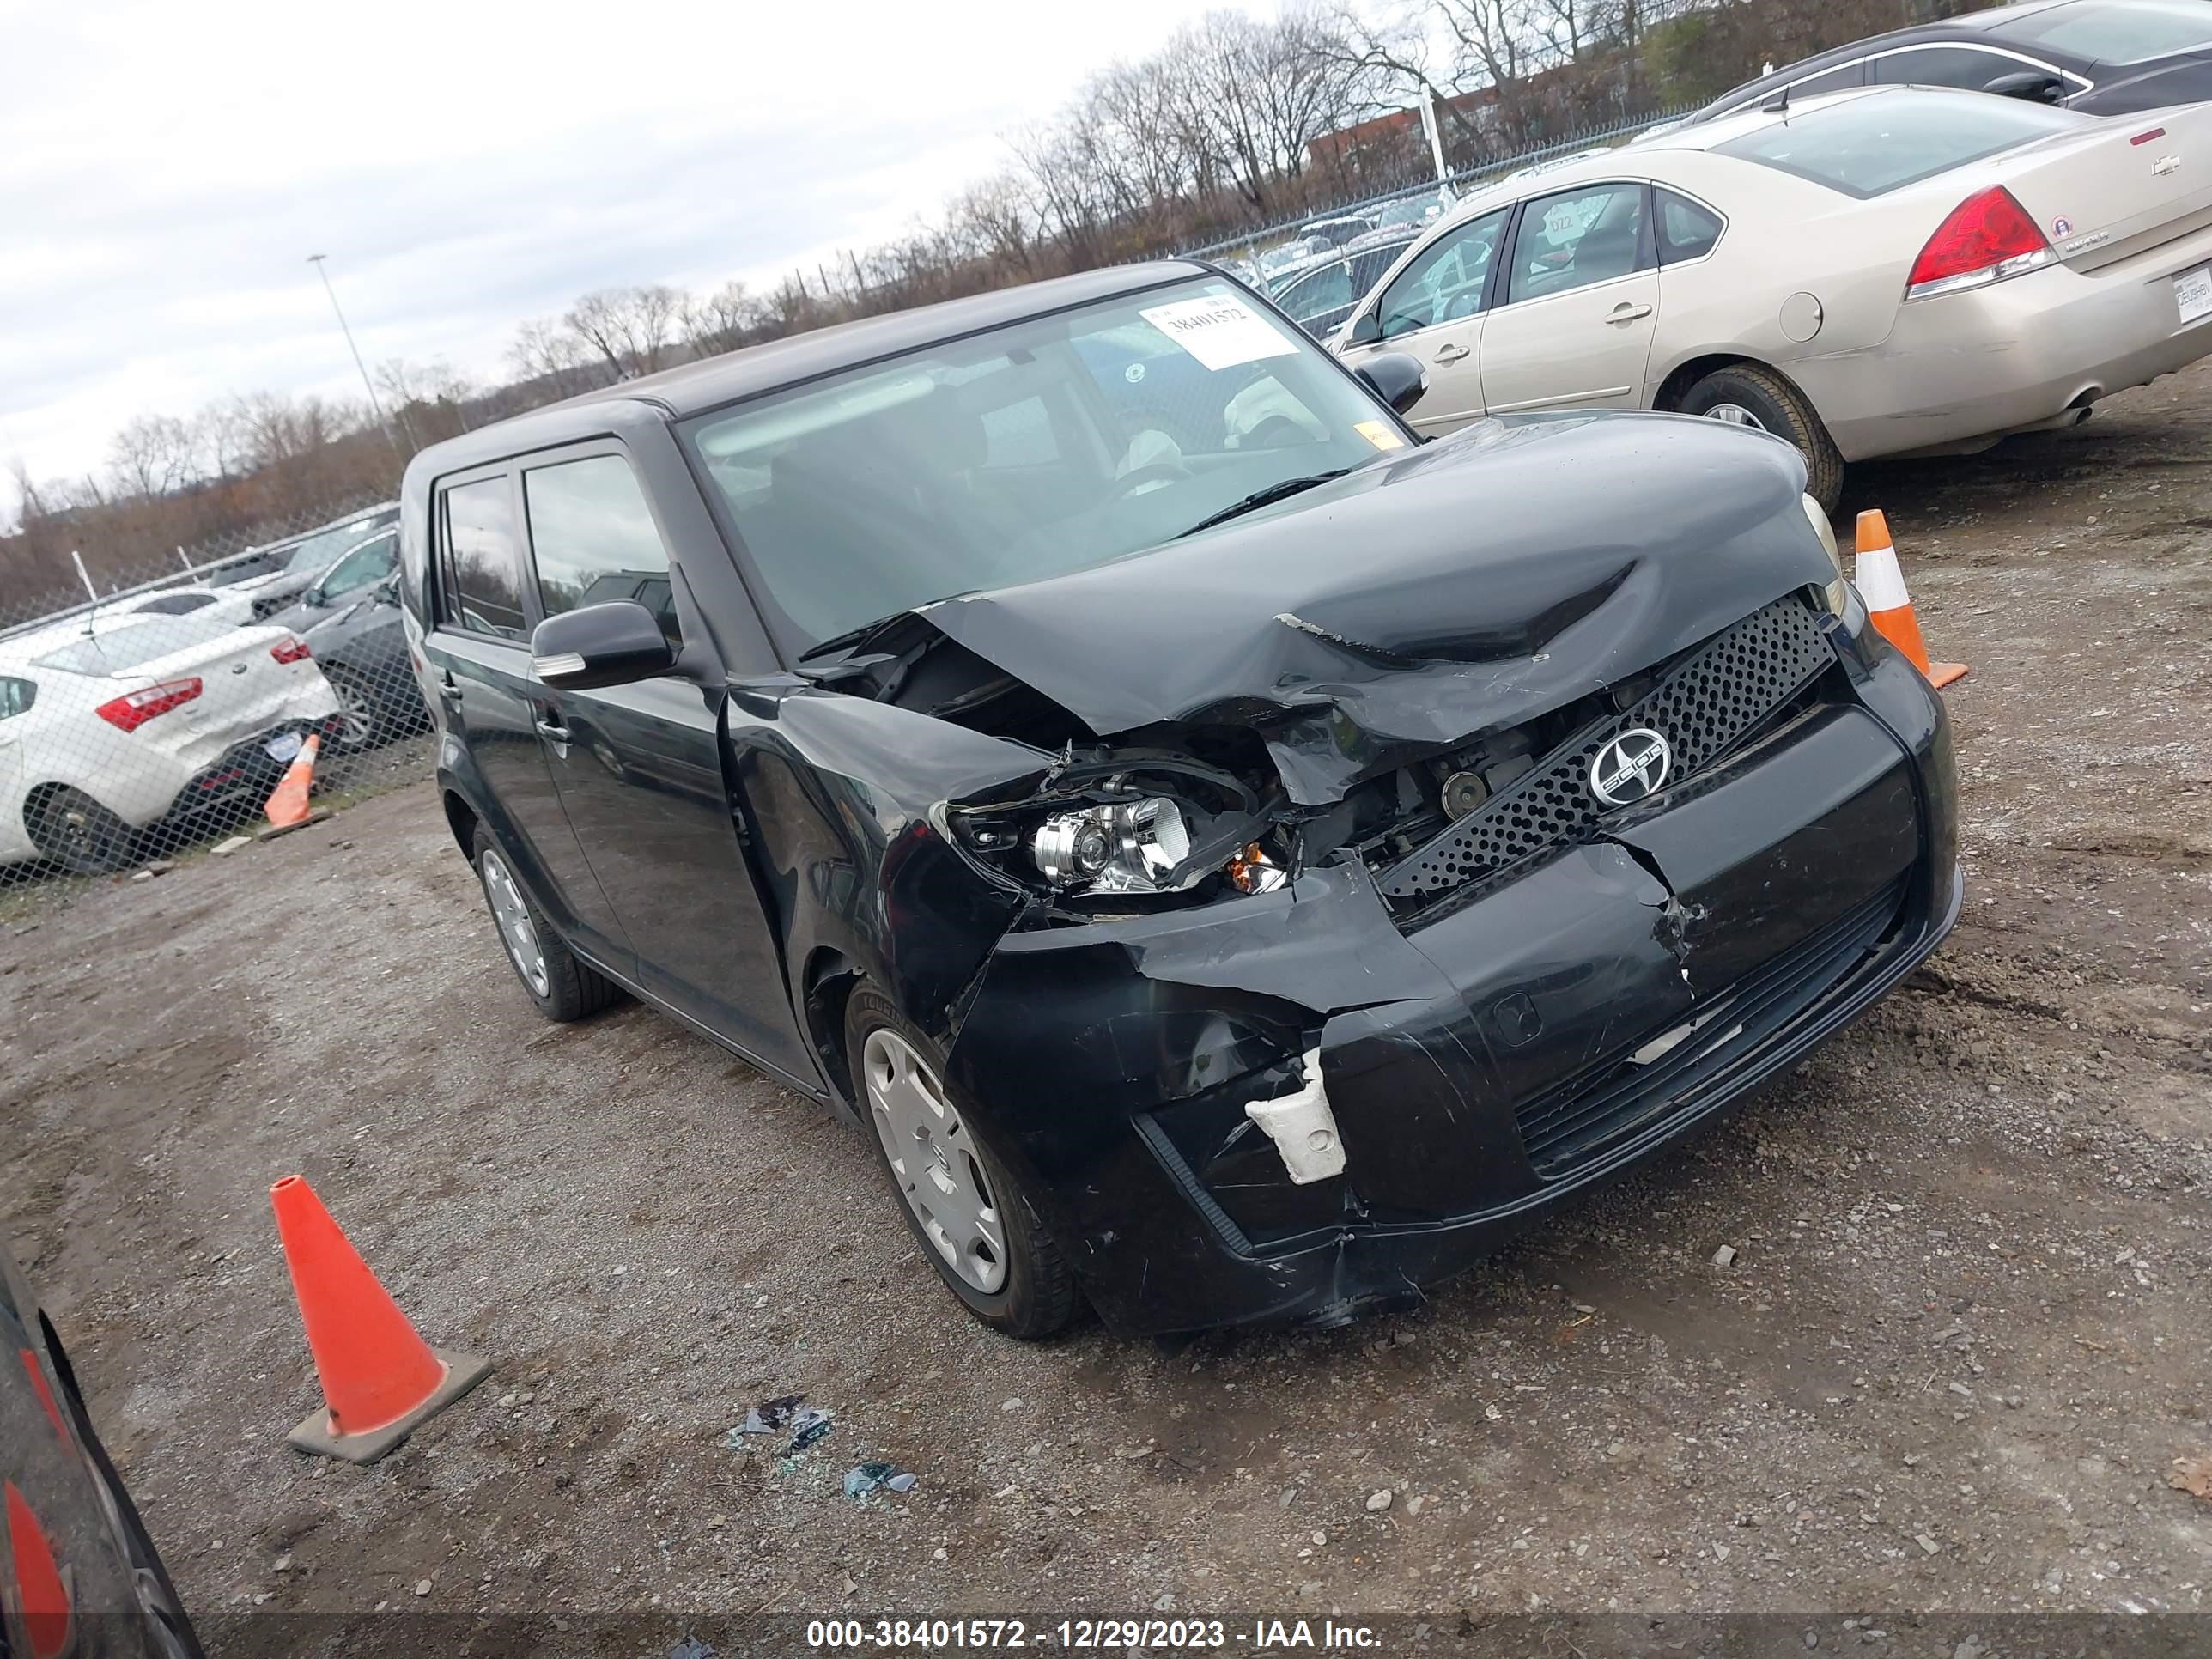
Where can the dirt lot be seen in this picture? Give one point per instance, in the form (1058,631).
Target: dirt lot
(1964,1335)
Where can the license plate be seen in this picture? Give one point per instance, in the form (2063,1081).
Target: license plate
(2192,293)
(284,748)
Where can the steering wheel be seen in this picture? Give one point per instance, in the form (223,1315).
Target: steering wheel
(1151,472)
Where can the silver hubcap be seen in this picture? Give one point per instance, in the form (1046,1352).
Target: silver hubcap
(355,710)
(515,927)
(934,1162)
(1735,415)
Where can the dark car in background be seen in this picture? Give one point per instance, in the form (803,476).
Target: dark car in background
(356,571)
(276,574)
(1248,882)
(1319,299)
(355,630)
(79,1574)
(2100,56)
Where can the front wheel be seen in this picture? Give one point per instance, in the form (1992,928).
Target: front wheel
(977,1226)
(77,832)
(362,719)
(1745,394)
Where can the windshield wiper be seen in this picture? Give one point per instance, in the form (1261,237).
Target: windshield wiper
(1259,498)
(852,637)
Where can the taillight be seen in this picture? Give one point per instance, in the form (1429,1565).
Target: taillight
(134,708)
(290,648)
(1988,237)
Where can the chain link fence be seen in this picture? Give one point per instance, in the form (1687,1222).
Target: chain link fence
(148,715)
(1277,247)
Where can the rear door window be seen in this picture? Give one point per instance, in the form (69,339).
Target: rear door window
(1576,237)
(594,539)
(480,563)
(1869,146)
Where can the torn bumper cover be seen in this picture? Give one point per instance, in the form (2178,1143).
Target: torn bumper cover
(1478,1062)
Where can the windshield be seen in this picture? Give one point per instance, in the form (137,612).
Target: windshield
(1866,146)
(2123,32)
(1046,446)
(323,547)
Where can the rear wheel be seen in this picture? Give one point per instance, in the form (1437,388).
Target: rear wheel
(977,1226)
(563,986)
(77,832)
(1745,394)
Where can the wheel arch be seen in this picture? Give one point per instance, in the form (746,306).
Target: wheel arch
(1675,385)
(826,986)
(462,819)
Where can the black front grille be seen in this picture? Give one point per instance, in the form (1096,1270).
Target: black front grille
(1705,705)
(1565,1127)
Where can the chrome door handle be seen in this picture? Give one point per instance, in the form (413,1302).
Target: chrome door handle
(1628,314)
(450,688)
(1450,354)
(549,729)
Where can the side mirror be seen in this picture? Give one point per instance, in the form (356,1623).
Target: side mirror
(1366,329)
(1397,378)
(616,643)
(2037,86)
(314,599)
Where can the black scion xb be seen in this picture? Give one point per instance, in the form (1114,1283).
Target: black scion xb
(1241,860)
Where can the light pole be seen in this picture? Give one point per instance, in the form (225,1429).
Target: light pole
(367,385)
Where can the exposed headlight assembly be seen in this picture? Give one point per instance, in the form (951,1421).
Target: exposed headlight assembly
(1127,847)
(1818,516)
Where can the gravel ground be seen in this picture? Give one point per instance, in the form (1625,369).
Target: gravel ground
(1961,1341)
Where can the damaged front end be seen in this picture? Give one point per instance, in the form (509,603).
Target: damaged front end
(1327,972)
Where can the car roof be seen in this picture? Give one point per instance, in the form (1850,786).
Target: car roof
(1965,26)
(695,387)
(692,388)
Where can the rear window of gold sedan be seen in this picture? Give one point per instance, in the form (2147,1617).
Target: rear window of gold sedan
(1884,141)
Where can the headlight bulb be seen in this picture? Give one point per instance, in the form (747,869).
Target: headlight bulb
(1129,847)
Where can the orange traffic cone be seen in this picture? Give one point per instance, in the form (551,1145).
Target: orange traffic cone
(1880,582)
(43,1592)
(288,801)
(380,1378)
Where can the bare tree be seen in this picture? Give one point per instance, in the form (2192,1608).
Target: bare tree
(543,350)
(153,455)
(722,321)
(629,329)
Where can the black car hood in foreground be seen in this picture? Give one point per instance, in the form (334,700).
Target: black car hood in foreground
(1459,589)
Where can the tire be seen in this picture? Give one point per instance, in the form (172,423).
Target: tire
(368,723)
(77,832)
(1755,396)
(1016,1282)
(563,988)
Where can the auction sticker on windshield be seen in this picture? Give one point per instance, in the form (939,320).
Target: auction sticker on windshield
(1220,332)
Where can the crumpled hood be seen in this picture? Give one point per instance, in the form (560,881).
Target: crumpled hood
(1461,588)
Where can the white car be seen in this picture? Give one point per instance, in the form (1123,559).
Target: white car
(231,604)
(111,725)
(1902,271)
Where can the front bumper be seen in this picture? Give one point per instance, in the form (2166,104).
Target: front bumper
(1477,1063)
(2016,354)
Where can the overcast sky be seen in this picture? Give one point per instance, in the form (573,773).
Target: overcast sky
(166,170)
